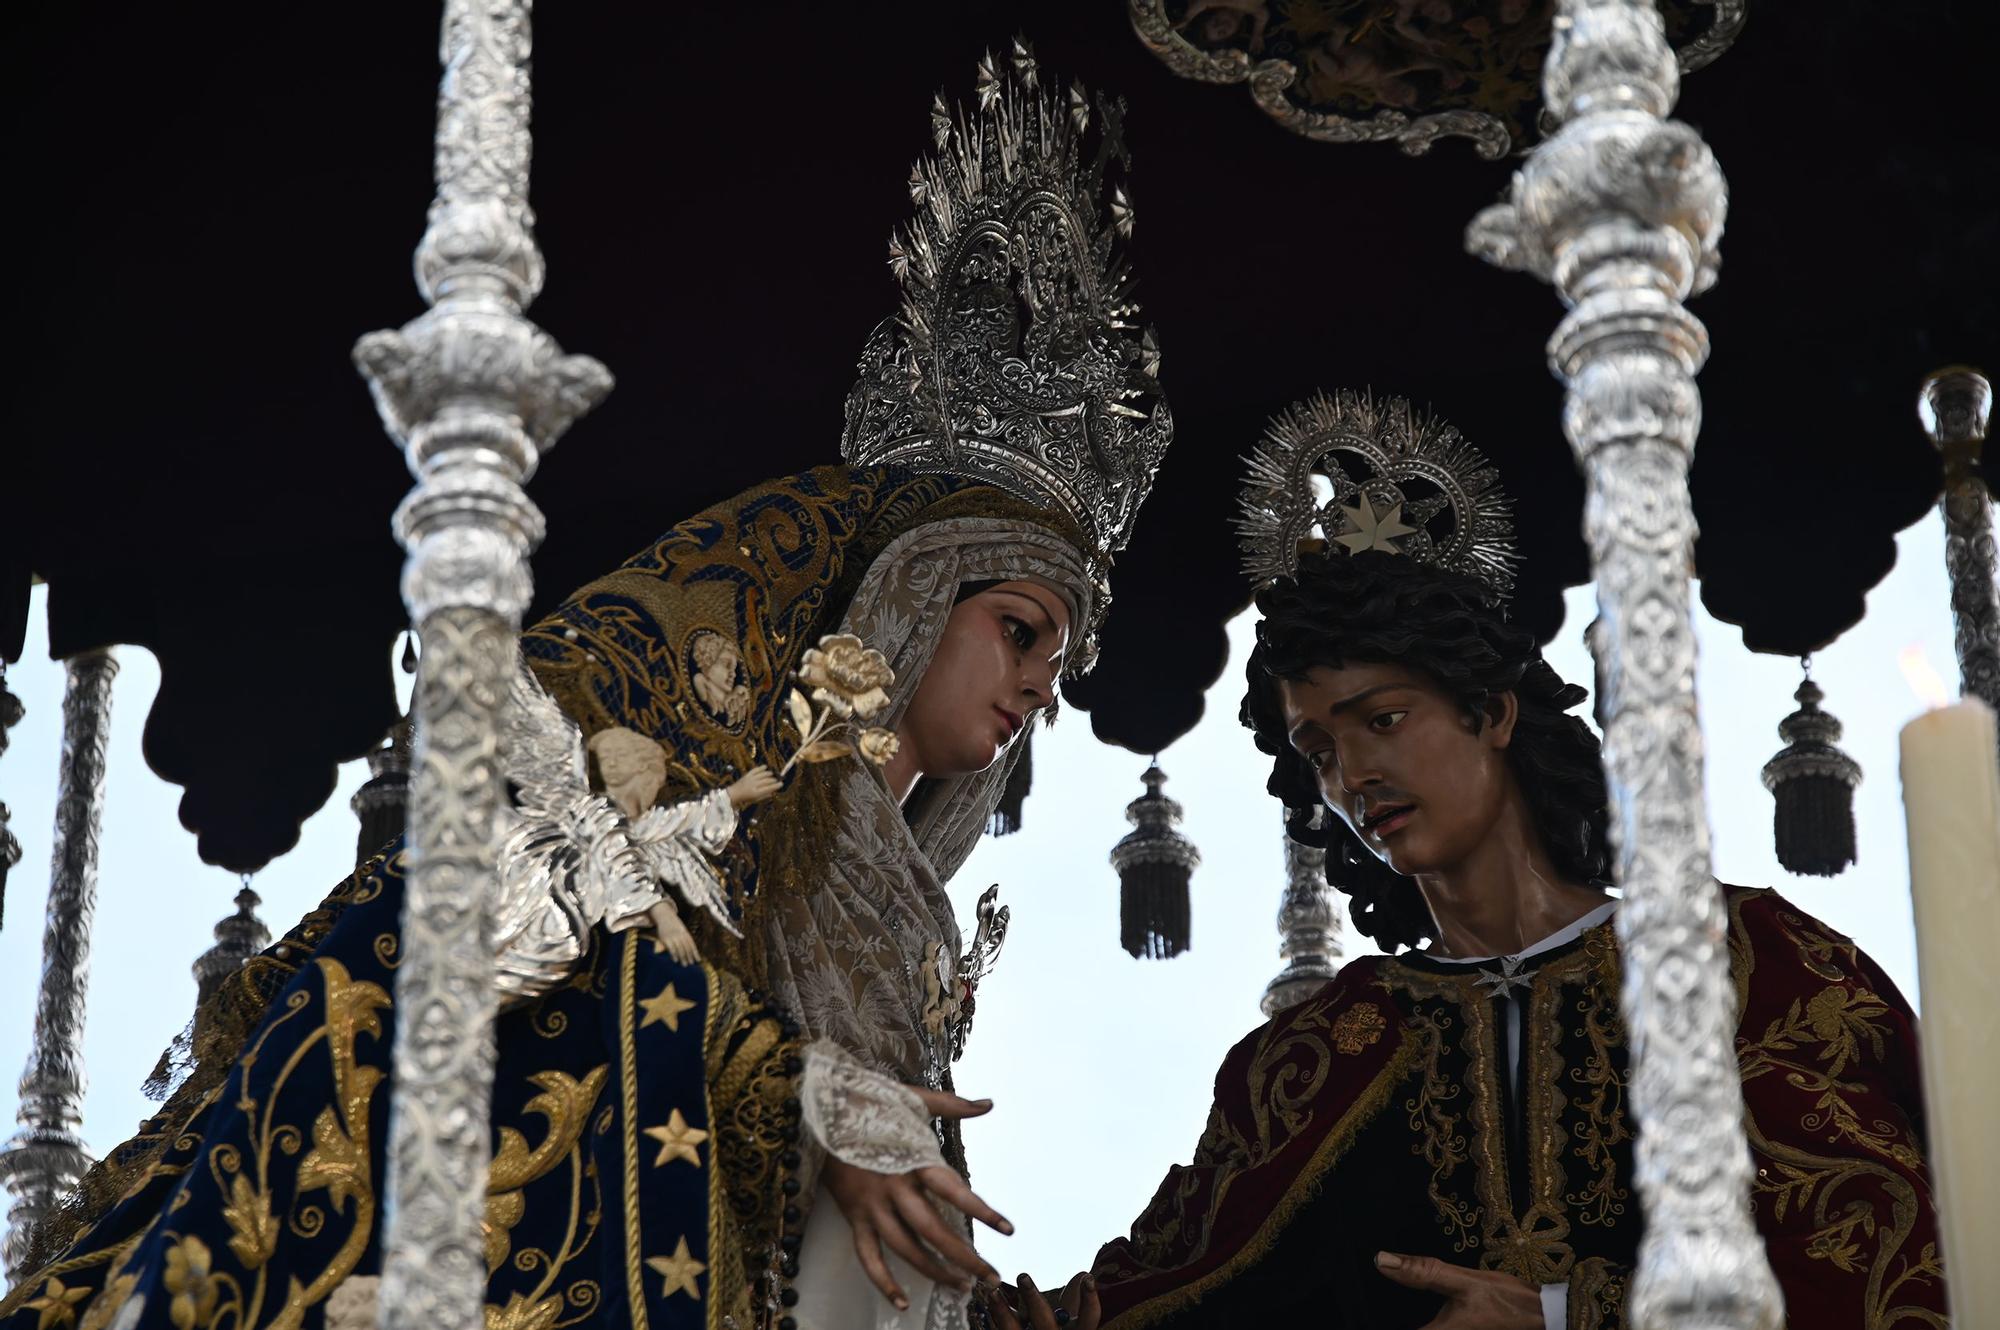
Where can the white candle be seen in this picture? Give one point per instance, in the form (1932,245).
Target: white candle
(1951,798)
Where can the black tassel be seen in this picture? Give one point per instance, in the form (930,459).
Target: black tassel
(1813,782)
(1155,864)
(1007,813)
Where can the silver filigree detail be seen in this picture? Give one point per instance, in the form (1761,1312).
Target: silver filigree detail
(1271,79)
(1017,358)
(1955,406)
(1622,210)
(1720,34)
(1350,472)
(473,392)
(1308,929)
(46,1159)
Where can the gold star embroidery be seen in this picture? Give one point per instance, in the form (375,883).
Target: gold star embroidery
(1372,531)
(666,1007)
(678,1140)
(57,1305)
(678,1270)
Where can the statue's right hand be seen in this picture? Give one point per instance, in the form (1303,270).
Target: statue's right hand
(898,1209)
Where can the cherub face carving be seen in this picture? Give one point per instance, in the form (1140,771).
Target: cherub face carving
(718,683)
(632,766)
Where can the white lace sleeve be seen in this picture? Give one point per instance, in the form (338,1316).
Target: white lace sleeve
(862,1117)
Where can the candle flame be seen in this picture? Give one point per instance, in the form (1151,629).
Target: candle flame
(1923,677)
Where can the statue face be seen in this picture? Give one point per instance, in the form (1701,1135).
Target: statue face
(995,667)
(1400,762)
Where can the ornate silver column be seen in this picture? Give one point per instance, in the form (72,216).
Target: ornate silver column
(46,1158)
(1308,929)
(473,392)
(11,712)
(1955,405)
(1622,210)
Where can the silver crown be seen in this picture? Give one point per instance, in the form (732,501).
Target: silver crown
(1016,358)
(1352,473)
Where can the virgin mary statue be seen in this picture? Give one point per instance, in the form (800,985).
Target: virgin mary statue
(746,764)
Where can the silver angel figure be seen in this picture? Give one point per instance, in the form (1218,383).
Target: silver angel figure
(572,857)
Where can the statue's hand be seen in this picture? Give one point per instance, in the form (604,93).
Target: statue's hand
(673,934)
(753,787)
(1474,1299)
(898,1209)
(1075,1308)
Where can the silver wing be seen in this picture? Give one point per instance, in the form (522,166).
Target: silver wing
(568,858)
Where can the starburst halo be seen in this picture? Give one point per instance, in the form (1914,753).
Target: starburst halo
(1400,481)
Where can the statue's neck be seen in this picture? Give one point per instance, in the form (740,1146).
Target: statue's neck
(1505,896)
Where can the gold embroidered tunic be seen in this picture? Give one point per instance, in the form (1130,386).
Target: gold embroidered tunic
(1381,1114)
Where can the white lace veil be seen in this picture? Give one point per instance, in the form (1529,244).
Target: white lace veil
(900,609)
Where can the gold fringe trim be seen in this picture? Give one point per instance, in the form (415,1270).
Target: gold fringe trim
(1304,1188)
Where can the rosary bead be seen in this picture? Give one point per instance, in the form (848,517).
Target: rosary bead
(790,1159)
(790,1186)
(789,1245)
(791,1214)
(789,1296)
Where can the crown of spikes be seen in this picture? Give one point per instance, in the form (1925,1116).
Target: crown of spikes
(1017,358)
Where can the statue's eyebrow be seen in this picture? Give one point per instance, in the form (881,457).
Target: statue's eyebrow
(1346,704)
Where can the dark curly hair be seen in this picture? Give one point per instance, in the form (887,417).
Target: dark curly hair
(1378,607)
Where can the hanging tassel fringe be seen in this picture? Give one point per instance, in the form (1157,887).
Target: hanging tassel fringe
(1155,866)
(1813,782)
(1020,780)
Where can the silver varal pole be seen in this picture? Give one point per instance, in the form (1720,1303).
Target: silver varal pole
(1622,209)
(1955,405)
(46,1159)
(1308,929)
(473,392)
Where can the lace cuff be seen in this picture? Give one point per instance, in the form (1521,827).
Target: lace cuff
(862,1117)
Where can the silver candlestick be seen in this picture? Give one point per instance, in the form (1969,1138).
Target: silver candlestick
(1622,209)
(46,1158)
(1955,405)
(1308,929)
(474,393)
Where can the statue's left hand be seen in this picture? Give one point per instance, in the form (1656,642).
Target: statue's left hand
(1075,1308)
(1474,1299)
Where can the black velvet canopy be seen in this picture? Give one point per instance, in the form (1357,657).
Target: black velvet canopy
(212,202)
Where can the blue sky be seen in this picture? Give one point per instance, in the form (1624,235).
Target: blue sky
(1100,1064)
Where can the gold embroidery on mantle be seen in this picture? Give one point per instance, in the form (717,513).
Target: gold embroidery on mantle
(1798,1182)
(1601,1200)
(1304,1185)
(566,1103)
(1532,1245)
(1358,1027)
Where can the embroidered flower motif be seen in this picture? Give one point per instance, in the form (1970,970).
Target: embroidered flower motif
(1826,1014)
(878,745)
(57,1305)
(847,677)
(195,1290)
(1358,1027)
